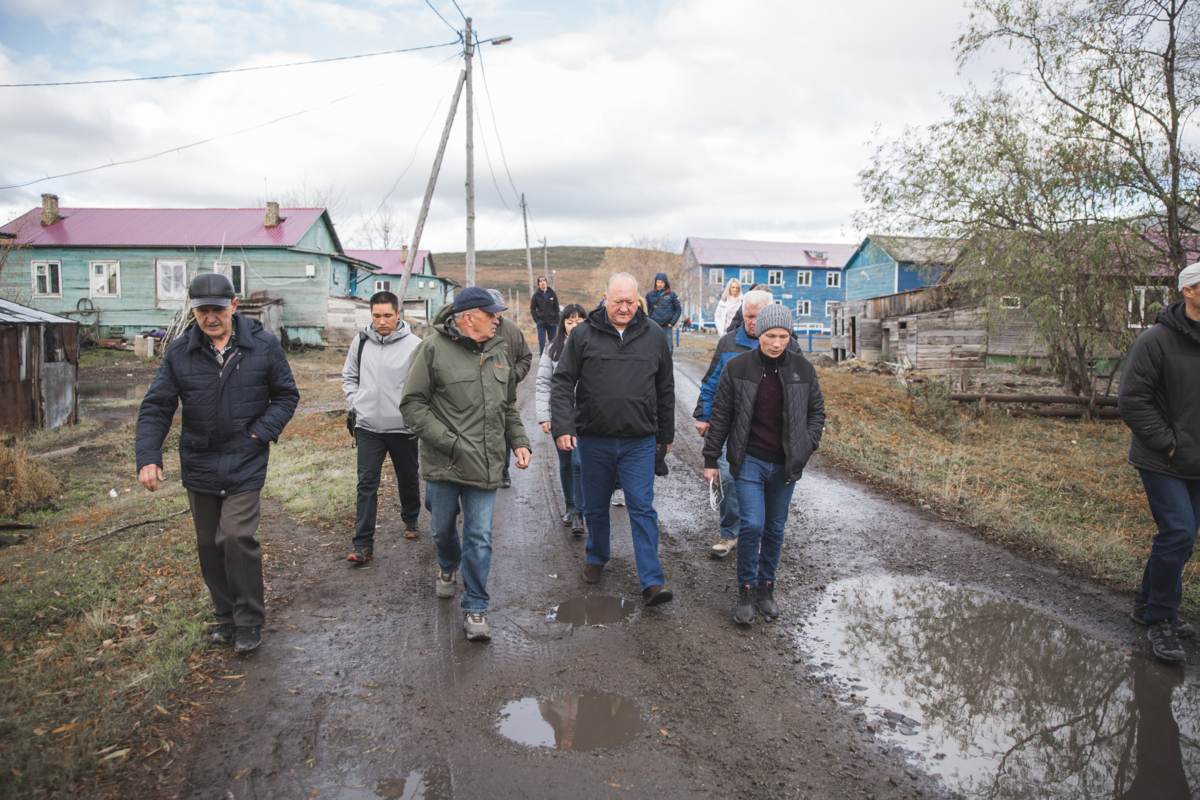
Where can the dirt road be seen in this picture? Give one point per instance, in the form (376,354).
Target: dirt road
(365,686)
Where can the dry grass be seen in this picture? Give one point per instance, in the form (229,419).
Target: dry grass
(25,484)
(1060,487)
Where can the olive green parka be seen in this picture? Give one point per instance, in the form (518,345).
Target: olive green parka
(460,399)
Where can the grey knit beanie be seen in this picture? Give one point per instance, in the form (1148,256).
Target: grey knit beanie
(772,315)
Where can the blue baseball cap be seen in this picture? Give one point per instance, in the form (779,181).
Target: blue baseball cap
(476,297)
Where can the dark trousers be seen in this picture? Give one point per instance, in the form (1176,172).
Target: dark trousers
(763,497)
(546,333)
(372,448)
(1175,504)
(230,557)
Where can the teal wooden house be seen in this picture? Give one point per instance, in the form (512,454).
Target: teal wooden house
(125,271)
(886,265)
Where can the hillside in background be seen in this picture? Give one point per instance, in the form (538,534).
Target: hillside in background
(506,270)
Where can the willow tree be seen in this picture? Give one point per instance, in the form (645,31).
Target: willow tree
(1073,179)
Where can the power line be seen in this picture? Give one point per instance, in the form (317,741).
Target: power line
(228,71)
(492,110)
(464,16)
(488,157)
(443,19)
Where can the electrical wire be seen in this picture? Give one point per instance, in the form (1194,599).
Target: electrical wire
(238,69)
(504,232)
(460,13)
(488,158)
(492,110)
(443,19)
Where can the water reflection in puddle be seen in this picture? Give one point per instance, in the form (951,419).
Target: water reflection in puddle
(1003,701)
(597,609)
(112,391)
(579,721)
(426,784)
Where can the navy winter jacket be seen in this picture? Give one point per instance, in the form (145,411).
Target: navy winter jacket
(254,393)
(663,307)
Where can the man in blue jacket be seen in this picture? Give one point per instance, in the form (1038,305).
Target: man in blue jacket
(238,394)
(663,307)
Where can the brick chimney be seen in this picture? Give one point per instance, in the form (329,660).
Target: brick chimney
(50,213)
(272,219)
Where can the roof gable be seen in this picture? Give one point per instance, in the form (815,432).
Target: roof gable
(167,227)
(754,253)
(390,262)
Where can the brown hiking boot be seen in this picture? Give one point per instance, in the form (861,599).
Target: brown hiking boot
(656,596)
(591,572)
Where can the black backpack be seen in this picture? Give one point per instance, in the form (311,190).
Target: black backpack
(351,417)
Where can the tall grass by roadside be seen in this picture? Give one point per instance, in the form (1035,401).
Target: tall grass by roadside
(1061,487)
(25,484)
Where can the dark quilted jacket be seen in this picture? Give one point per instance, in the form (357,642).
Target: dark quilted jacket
(253,393)
(733,408)
(1160,396)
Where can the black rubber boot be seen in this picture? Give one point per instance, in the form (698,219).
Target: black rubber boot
(743,612)
(766,600)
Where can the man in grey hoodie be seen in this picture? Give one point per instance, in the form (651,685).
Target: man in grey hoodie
(373,380)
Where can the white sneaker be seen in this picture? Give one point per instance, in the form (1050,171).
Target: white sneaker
(618,498)
(476,627)
(723,547)
(446,584)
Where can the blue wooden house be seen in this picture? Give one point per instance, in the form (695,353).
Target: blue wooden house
(886,265)
(124,271)
(426,291)
(805,278)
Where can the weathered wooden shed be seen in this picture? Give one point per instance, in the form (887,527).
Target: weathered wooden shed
(39,364)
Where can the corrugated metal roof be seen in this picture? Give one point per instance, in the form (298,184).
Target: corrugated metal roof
(750,253)
(389,261)
(15,312)
(163,227)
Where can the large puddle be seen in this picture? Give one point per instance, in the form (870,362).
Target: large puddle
(586,720)
(427,784)
(598,609)
(1002,701)
(112,391)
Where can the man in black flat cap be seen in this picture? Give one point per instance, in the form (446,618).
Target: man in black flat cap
(238,394)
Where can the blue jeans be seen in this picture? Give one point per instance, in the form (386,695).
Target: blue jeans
(730,521)
(1175,504)
(546,333)
(604,459)
(569,475)
(474,552)
(763,498)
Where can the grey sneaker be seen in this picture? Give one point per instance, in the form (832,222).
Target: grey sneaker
(1183,628)
(618,497)
(567,516)
(766,600)
(1164,643)
(743,612)
(446,585)
(476,627)
(723,547)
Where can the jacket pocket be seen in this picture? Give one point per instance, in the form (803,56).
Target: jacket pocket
(193,441)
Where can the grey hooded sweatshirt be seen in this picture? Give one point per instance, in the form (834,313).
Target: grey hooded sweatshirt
(373,388)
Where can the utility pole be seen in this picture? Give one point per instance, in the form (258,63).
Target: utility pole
(528,257)
(470,279)
(545,261)
(437,166)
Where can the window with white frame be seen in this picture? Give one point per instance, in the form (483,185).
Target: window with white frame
(833,279)
(829,307)
(170,282)
(105,278)
(804,278)
(746,278)
(47,279)
(420,284)
(235,271)
(803,308)
(383,286)
(775,277)
(716,277)
(1010,301)
(1145,304)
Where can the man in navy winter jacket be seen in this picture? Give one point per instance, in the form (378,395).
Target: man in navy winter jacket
(663,307)
(238,394)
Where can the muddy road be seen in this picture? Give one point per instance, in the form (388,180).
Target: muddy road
(912,659)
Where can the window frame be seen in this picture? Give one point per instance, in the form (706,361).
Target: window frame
(1137,317)
(116,273)
(804,278)
(1007,302)
(775,277)
(828,310)
(833,279)
(240,291)
(806,305)
(169,302)
(743,279)
(716,277)
(382,286)
(57,278)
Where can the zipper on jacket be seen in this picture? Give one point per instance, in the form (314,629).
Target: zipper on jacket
(238,370)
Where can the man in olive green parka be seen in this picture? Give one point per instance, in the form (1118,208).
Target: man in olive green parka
(460,398)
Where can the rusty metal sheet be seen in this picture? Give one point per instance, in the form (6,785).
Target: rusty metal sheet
(58,393)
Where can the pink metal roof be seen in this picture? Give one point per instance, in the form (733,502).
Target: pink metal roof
(748,253)
(163,227)
(389,261)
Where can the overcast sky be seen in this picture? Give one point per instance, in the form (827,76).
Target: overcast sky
(617,118)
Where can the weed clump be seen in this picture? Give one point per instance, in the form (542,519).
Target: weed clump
(25,484)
